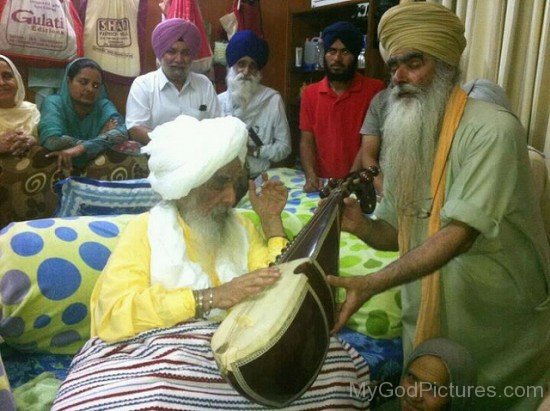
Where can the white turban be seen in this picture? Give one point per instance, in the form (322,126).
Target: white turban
(185,153)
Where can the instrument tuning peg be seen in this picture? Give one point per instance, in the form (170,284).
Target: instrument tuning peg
(366,176)
(374,170)
(324,192)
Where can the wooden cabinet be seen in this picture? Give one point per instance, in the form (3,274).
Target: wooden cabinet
(306,22)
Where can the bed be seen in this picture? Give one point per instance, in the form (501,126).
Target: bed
(45,318)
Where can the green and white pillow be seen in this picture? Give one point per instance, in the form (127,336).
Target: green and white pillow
(48,269)
(380,317)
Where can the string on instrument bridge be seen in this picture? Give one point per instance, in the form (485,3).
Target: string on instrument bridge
(358,182)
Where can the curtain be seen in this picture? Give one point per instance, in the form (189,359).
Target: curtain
(509,43)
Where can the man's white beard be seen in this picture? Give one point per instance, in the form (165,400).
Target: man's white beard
(411,133)
(216,232)
(241,89)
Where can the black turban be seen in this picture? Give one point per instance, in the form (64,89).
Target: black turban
(247,43)
(347,33)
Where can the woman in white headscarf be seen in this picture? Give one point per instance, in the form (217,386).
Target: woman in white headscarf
(18,118)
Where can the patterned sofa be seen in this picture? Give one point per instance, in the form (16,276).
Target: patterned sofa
(49,267)
(27,183)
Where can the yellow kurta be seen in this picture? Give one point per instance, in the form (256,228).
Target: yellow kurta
(125,303)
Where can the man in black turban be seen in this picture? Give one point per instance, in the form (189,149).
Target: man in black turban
(331,110)
(261,108)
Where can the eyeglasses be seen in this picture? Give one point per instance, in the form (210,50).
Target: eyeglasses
(419,209)
(333,52)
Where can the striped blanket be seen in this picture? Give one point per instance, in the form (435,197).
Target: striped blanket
(174,369)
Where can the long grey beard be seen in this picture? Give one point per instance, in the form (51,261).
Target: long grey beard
(411,133)
(241,90)
(216,232)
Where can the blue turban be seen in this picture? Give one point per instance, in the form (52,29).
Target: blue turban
(347,33)
(167,32)
(247,43)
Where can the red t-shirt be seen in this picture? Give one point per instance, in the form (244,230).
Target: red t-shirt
(335,122)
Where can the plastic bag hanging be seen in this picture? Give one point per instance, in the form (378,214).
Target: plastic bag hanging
(249,15)
(44,33)
(113,33)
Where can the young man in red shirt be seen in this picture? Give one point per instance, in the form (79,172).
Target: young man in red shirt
(332,110)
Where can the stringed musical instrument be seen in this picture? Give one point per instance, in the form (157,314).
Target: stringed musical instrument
(271,347)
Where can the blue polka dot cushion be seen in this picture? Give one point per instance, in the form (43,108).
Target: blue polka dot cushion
(7,402)
(380,317)
(81,196)
(48,269)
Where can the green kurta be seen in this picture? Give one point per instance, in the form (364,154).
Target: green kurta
(495,297)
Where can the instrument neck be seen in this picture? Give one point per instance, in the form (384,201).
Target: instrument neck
(312,237)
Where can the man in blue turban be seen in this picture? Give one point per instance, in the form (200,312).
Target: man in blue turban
(261,108)
(331,109)
(162,95)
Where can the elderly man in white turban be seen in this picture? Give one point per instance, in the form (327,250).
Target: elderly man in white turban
(475,264)
(187,255)
(171,90)
(189,259)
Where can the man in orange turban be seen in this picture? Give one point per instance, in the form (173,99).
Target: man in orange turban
(459,205)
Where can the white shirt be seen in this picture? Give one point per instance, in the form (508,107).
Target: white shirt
(154,100)
(265,114)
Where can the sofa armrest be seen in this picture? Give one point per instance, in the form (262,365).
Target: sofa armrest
(26,186)
(26,183)
(112,165)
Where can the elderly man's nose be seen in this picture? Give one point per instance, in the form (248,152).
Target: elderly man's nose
(229,195)
(400,75)
(247,70)
(179,57)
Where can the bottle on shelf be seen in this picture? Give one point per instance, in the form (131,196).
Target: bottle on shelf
(313,51)
(361,58)
(320,54)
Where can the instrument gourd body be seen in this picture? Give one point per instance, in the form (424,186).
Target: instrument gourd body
(271,347)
